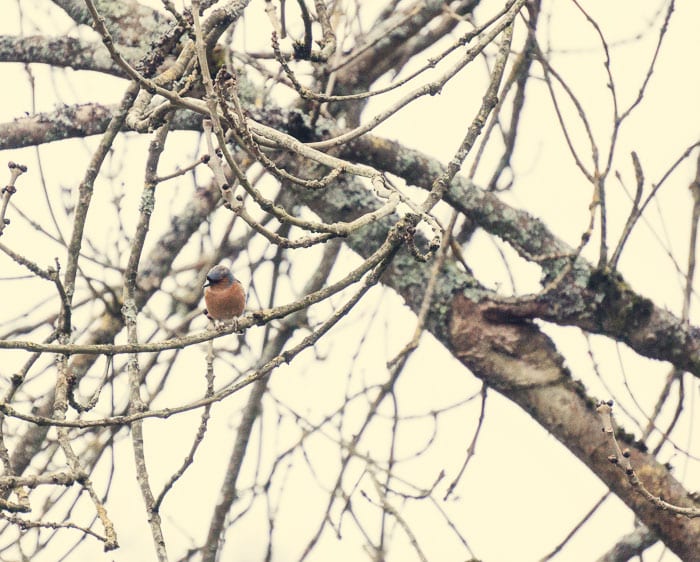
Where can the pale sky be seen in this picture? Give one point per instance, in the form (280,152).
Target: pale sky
(523,491)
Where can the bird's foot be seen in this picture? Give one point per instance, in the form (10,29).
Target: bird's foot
(233,323)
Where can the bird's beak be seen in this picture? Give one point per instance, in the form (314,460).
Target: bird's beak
(207,283)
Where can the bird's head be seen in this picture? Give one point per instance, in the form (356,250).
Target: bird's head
(219,275)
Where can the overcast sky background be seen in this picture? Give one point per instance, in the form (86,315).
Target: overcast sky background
(523,491)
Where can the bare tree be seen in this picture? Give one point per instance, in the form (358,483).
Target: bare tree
(258,135)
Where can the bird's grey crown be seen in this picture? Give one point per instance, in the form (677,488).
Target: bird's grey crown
(219,273)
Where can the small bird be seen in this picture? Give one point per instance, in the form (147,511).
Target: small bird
(223,294)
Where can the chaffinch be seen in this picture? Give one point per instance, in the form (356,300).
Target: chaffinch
(223,294)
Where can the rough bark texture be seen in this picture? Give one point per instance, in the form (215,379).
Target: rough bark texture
(494,339)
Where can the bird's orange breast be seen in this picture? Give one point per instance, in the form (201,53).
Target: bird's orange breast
(225,303)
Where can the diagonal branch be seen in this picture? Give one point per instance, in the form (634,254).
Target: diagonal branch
(519,361)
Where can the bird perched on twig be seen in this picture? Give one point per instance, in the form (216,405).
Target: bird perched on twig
(223,294)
